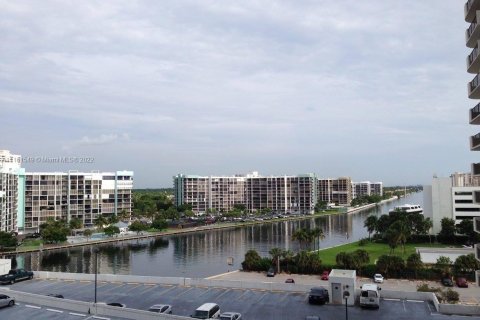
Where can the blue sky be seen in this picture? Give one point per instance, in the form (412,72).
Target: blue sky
(375,90)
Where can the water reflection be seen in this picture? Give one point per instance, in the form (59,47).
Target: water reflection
(205,253)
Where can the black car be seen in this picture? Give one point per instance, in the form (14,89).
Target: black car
(447,282)
(55,295)
(271,272)
(318,295)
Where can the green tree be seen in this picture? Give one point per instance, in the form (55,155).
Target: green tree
(159,224)
(465,227)
(371,224)
(240,207)
(316,234)
(400,232)
(124,215)
(390,265)
(466,264)
(447,233)
(189,213)
(302,236)
(87,233)
(276,254)
(320,205)
(112,219)
(137,226)
(344,260)
(111,230)
(100,222)
(7,240)
(75,223)
(414,263)
(55,231)
(444,265)
(252,259)
(383,223)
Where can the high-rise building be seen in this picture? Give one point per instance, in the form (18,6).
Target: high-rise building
(62,195)
(289,193)
(366,188)
(29,199)
(472,37)
(10,190)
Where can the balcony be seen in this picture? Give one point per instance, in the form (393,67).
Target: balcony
(473,60)
(471,7)
(475,142)
(477,251)
(477,277)
(473,88)
(475,114)
(472,34)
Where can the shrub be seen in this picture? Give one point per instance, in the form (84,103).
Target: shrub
(363,242)
(424,287)
(451,296)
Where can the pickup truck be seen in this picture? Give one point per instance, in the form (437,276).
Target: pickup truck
(15,275)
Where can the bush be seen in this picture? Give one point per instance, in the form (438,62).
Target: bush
(253,262)
(450,296)
(368,270)
(363,242)
(425,288)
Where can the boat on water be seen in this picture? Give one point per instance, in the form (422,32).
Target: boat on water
(408,208)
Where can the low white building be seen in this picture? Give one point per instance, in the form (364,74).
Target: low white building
(340,282)
(451,197)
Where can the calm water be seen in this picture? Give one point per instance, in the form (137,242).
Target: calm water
(203,254)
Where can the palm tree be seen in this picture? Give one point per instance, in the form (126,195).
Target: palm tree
(371,224)
(301,236)
(100,221)
(400,232)
(317,233)
(276,253)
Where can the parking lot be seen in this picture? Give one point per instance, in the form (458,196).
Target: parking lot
(253,304)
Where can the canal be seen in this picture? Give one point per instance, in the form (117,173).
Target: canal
(203,254)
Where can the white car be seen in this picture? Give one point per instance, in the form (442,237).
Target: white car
(230,316)
(161,308)
(6,300)
(378,278)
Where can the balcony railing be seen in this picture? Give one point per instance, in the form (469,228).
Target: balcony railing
(473,55)
(476,224)
(475,114)
(477,251)
(473,86)
(471,28)
(470,8)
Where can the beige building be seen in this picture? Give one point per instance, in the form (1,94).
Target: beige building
(296,193)
(81,195)
(10,190)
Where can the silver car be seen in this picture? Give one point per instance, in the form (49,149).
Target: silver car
(230,316)
(161,308)
(6,300)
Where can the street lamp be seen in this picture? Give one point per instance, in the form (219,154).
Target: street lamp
(346,294)
(95,250)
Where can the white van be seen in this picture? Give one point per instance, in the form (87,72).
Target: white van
(207,311)
(370,296)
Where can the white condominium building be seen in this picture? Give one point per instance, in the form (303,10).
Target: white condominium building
(28,199)
(9,190)
(82,195)
(289,193)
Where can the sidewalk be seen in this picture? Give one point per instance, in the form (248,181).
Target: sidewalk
(470,295)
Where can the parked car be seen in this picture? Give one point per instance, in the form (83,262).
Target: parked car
(6,300)
(116,304)
(447,282)
(15,275)
(161,308)
(289,280)
(230,316)
(377,278)
(318,295)
(55,295)
(325,275)
(462,283)
(271,272)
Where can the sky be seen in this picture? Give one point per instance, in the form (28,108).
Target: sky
(372,89)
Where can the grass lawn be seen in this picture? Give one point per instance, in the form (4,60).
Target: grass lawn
(374,249)
(30,244)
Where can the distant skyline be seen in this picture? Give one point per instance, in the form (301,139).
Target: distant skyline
(375,90)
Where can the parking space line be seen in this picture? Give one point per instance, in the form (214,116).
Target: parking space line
(148,289)
(169,289)
(223,293)
(204,292)
(387,299)
(130,289)
(33,307)
(417,301)
(183,292)
(85,281)
(241,296)
(77,314)
(55,310)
